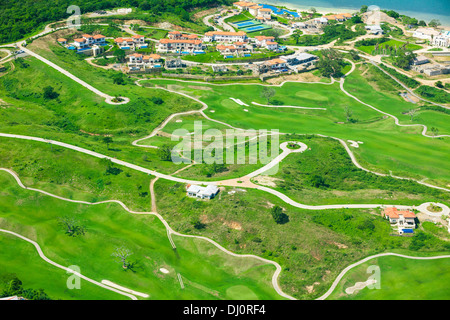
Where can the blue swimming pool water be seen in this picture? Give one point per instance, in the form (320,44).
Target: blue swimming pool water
(280,11)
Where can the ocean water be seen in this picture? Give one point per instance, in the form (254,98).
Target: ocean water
(419,9)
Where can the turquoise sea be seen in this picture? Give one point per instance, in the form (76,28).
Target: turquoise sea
(420,9)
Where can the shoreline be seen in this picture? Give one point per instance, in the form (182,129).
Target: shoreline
(325,10)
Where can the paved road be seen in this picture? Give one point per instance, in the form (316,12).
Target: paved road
(108,98)
(170,232)
(341,275)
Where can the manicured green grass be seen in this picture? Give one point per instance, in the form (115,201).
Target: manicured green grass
(207,272)
(21,258)
(400,279)
(156,33)
(391,43)
(216,56)
(386,146)
(314,246)
(313,177)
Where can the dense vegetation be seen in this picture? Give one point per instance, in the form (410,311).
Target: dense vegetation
(20,18)
(411,83)
(10,286)
(434,94)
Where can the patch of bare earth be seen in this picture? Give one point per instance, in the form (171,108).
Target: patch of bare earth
(204,13)
(310,288)
(230,224)
(305,77)
(266,181)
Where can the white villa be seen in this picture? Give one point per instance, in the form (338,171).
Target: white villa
(136,41)
(425,33)
(208,192)
(442,40)
(400,219)
(266,42)
(225,36)
(173,45)
(374,29)
(137,61)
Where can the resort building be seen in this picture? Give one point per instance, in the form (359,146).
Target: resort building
(177,35)
(225,36)
(137,61)
(420,60)
(207,192)
(237,47)
(253,10)
(401,219)
(135,42)
(442,40)
(243,5)
(172,45)
(276,64)
(374,29)
(62,41)
(426,33)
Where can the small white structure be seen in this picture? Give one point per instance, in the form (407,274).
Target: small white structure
(425,33)
(208,192)
(374,29)
(420,60)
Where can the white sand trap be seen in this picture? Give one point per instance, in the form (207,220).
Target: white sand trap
(245,110)
(239,101)
(211,111)
(179,120)
(164,270)
(359,286)
(116,286)
(354,144)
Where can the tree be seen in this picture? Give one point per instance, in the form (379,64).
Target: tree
(412,113)
(439,84)
(50,93)
(313,10)
(348,113)
(422,23)
(268,93)
(278,215)
(107,140)
(435,131)
(165,152)
(118,79)
(120,55)
(363,9)
(122,255)
(72,226)
(330,63)
(296,35)
(434,23)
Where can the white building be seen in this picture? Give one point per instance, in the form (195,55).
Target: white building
(172,45)
(425,33)
(401,219)
(225,36)
(442,40)
(207,192)
(374,29)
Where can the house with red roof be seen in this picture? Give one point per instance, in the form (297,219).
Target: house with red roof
(403,219)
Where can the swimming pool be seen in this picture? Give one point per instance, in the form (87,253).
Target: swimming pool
(280,11)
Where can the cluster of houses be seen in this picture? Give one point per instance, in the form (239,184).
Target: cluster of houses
(87,44)
(256,10)
(403,221)
(435,37)
(315,25)
(423,65)
(295,62)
